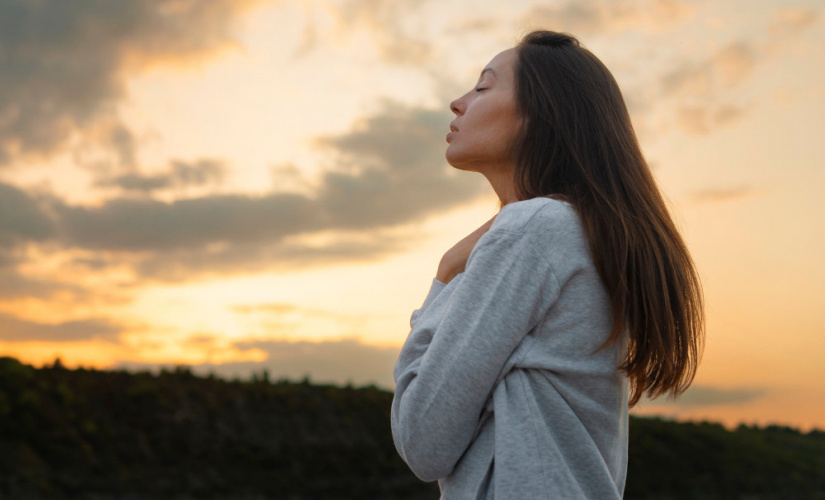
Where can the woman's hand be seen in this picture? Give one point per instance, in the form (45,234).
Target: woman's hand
(455,259)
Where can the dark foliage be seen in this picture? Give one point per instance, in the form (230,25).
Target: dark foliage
(117,435)
(705,460)
(102,434)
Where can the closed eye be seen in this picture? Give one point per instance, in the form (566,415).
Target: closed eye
(479,89)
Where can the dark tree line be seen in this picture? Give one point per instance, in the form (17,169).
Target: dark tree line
(92,434)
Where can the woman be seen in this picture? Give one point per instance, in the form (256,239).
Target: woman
(545,324)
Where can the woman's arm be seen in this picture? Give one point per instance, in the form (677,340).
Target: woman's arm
(448,367)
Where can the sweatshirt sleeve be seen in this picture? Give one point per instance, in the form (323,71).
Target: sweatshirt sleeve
(449,364)
(435,289)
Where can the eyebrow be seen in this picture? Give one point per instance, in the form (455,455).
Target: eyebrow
(486,70)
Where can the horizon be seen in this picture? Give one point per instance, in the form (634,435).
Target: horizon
(158,370)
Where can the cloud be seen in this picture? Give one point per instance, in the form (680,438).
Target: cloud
(722,194)
(288,177)
(381,20)
(702,119)
(711,396)
(65,64)
(734,63)
(727,67)
(19,330)
(702,89)
(388,170)
(21,218)
(590,17)
(14,285)
(394,170)
(475,25)
(294,322)
(788,22)
(272,307)
(287,310)
(123,141)
(127,224)
(333,361)
(24,221)
(187,264)
(179,175)
(706,91)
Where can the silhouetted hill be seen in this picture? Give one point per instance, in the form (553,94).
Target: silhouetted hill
(705,460)
(117,435)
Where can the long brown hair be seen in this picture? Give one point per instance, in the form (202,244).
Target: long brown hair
(577,144)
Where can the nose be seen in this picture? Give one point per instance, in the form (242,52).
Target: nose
(454,106)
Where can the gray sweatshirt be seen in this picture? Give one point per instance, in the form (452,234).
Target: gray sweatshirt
(500,389)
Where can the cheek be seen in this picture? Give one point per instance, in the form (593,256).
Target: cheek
(513,128)
(504,127)
(493,121)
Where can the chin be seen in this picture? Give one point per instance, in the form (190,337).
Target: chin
(460,166)
(456,162)
(465,168)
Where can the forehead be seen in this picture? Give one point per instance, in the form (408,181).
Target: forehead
(503,63)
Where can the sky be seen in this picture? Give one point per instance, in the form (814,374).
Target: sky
(251,185)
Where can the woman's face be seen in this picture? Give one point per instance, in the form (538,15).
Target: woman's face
(486,123)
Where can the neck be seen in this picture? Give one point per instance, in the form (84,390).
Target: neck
(503,184)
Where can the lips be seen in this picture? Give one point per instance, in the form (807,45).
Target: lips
(452,132)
